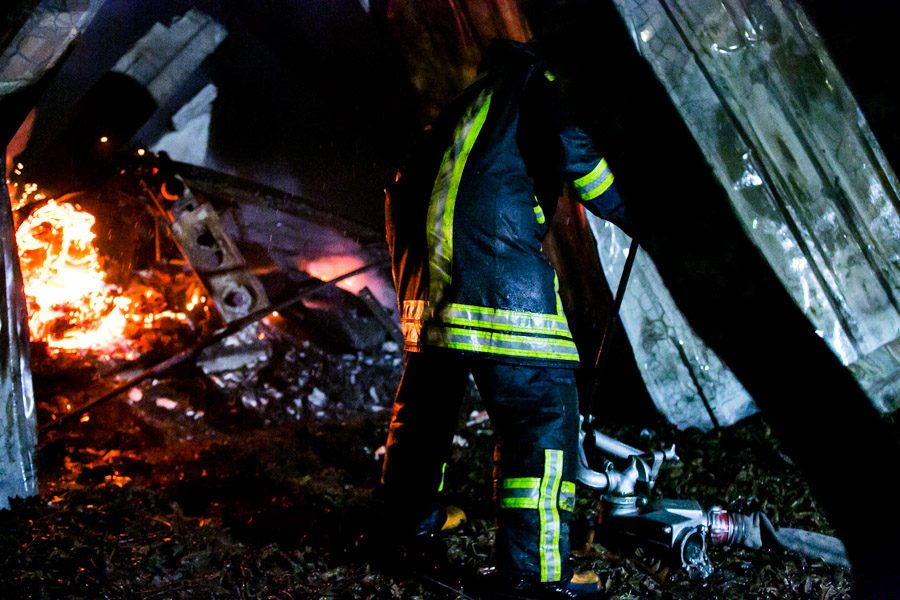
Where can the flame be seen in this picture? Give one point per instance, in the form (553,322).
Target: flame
(70,304)
(195,300)
(71,307)
(29,194)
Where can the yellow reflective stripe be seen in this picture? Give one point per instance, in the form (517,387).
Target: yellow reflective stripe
(587,197)
(559,304)
(586,180)
(543,494)
(519,483)
(531,503)
(594,183)
(501,344)
(520,492)
(502,327)
(539,215)
(550,559)
(502,313)
(443,195)
(505,352)
(505,320)
(560,345)
(567,496)
(443,473)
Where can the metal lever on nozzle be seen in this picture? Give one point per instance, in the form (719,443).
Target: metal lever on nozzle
(622,483)
(643,467)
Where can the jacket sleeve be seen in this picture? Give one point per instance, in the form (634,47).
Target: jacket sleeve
(591,177)
(580,163)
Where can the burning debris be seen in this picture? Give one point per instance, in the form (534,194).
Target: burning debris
(72,306)
(187,276)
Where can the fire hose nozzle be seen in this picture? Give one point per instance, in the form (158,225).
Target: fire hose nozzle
(624,483)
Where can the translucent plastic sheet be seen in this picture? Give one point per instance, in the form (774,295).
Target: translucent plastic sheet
(803,171)
(687,381)
(18,421)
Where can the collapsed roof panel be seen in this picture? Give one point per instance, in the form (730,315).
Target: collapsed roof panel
(160,59)
(688,382)
(801,167)
(42,41)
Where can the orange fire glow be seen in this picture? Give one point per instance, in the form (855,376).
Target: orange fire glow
(329,267)
(71,307)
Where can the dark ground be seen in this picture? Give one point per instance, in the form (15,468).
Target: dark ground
(186,490)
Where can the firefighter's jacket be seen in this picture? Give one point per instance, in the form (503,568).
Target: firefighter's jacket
(467,214)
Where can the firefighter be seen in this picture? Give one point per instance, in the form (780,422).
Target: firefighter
(465,220)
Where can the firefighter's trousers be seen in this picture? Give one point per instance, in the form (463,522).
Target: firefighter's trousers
(534,412)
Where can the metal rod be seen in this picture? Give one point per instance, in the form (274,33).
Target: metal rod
(455,592)
(382,315)
(617,301)
(614,447)
(190,353)
(610,324)
(696,381)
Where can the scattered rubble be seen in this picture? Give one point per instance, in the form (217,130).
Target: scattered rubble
(185,489)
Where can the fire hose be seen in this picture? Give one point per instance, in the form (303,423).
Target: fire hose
(677,531)
(673,530)
(220,334)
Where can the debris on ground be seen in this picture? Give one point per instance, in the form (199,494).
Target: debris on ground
(184,489)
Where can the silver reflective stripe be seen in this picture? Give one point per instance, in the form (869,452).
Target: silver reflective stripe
(443,195)
(520,492)
(550,558)
(505,320)
(567,496)
(594,183)
(490,342)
